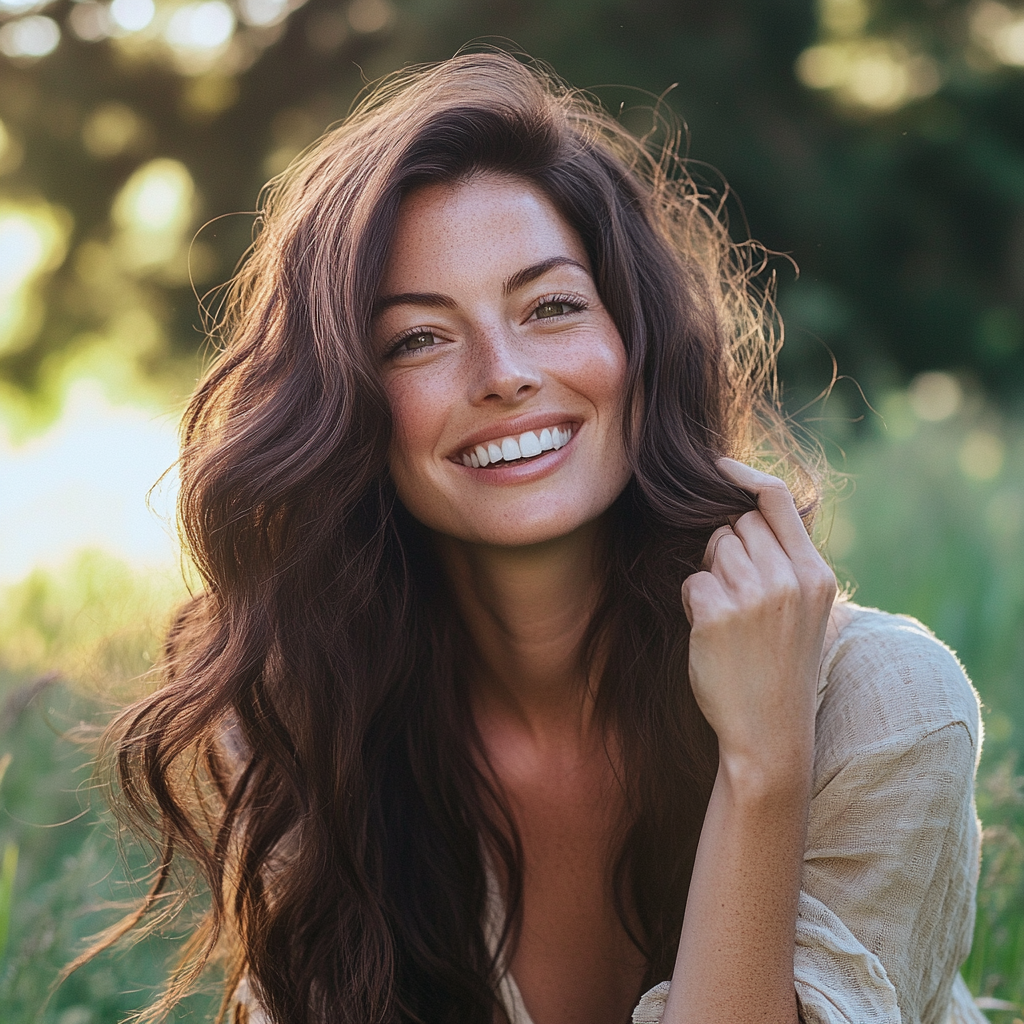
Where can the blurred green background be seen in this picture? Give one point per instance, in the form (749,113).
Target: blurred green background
(879,143)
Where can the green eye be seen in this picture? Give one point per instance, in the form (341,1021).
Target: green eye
(414,341)
(547,309)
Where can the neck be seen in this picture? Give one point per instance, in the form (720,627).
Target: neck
(527,610)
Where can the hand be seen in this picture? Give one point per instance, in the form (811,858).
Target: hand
(758,613)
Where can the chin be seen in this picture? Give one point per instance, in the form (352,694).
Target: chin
(518,531)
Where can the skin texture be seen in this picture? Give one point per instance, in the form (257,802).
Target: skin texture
(494,367)
(496,351)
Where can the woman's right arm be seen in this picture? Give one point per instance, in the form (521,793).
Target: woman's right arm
(758,615)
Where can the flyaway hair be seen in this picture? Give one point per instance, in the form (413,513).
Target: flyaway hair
(310,756)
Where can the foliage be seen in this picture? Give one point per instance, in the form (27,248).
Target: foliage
(929,521)
(877,141)
(97,622)
(70,882)
(946,545)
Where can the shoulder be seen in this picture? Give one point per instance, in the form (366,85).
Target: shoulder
(887,681)
(891,861)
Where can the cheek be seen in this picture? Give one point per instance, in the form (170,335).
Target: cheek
(418,414)
(599,372)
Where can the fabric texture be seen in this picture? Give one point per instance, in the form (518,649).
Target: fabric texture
(886,911)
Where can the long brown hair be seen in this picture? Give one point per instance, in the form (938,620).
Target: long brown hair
(310,752)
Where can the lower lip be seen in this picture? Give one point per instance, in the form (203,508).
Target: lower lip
(524,469)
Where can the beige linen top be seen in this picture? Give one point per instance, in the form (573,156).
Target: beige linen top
(886,910)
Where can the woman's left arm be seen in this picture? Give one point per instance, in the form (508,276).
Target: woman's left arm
(758,614)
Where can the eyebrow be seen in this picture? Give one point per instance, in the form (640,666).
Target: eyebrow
(434,300)
(531,273)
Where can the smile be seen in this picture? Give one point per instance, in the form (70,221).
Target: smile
(527,445)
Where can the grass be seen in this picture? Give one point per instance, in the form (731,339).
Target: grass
(931,523)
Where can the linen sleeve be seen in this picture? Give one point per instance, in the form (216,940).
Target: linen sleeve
(886,908)
(886,911)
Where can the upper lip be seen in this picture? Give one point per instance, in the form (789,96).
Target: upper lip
(513,428)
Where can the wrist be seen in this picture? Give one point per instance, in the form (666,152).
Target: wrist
(769,776)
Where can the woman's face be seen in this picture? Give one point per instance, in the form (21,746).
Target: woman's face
(504,370)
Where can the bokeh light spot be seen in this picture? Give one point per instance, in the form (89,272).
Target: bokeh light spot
(935,396)
(156,197)
(17,6)
(132,15)
(262,12)
(11,150)
(22,247)
(368,16)
(90,21)
(211,94)
(202,26)
(29,38)
(823,67)
(981,455)
(32,241)
(112,129)
(999,31)
(153,211)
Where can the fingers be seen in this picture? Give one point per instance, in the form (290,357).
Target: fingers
(701,591)
(749,554)
(711,551)
(776,505)
(768,547)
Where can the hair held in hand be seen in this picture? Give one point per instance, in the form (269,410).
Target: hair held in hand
(310,756)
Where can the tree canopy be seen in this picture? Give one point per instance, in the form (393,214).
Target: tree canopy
(879,143)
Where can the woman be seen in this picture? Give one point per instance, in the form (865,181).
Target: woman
(513,692)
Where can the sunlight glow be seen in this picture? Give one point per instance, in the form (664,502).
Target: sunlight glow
(31,37)
(999,30)
(876,74)
(32,241)
(153,212)
(201,26)
(83,484)
(132,15)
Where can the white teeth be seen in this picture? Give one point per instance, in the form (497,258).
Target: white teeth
(529,445)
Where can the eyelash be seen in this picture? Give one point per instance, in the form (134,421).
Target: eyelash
(574,302)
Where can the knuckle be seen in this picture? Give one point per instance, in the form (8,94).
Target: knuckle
(777,488)
(826,584)
(786,589)
(752,518)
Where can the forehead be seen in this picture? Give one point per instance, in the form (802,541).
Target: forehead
(469,231)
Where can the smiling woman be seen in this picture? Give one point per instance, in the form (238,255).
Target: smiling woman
(511,360)
(513,693)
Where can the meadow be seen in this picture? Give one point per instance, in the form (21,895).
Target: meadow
(927,518)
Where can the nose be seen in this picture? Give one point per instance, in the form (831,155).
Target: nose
(503,371)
